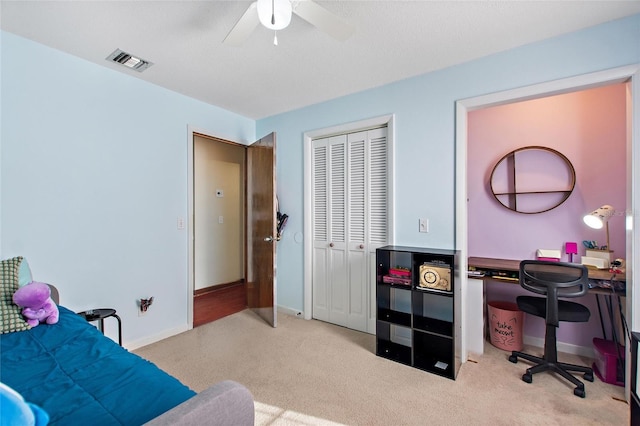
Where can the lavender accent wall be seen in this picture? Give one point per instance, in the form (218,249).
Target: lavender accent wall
(589,128)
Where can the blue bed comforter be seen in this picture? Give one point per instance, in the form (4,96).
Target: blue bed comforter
(81,377)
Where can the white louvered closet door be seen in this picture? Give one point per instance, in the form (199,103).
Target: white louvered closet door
(349,223)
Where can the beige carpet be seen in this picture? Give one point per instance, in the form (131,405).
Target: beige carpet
(314,373)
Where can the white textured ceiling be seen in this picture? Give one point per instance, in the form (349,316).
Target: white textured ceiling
(393,40)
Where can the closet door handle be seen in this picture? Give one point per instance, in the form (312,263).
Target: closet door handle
(361,246)
(330,244)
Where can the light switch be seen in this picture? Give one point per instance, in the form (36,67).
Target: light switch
(220,219)
(423,225)
(180,223)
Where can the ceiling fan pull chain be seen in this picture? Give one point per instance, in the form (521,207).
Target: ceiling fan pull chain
(275,38)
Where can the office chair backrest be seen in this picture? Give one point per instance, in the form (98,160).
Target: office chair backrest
(554,280)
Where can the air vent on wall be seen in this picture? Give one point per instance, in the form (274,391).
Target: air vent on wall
(128,60)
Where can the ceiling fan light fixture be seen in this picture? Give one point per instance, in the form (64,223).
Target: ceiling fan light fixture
(274,14)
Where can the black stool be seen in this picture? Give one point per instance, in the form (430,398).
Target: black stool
(100,315)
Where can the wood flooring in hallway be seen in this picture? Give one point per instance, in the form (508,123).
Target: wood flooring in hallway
(216,302)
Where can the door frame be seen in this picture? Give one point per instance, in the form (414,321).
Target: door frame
(189,226)
(629,74)
(385,120)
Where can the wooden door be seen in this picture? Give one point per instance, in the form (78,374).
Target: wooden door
(261,228)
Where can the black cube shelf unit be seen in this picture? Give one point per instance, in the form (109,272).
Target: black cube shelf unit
(418,308)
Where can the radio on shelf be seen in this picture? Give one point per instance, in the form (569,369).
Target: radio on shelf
(434,276)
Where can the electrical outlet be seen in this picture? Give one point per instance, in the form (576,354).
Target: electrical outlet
(423,225)
(143,306)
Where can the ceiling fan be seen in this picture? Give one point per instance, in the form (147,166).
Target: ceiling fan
(276,15)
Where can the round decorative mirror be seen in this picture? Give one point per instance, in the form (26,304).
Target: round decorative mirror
(533,179)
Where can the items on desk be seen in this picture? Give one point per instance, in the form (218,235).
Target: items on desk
(590,244)
(600,259)
(502,275)
(594,262)
(548,255)
(570,249)
(618,266)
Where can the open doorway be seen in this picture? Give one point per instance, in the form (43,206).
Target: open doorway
(588,126)
(219,251)
(250,250)
(628,75)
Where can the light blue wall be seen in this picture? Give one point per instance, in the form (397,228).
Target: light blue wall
(94,177)
(424,107)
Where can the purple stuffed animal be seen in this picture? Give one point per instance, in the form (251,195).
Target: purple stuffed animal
(36,303)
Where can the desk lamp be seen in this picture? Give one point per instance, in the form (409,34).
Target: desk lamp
(599,218)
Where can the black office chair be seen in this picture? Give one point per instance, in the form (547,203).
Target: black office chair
(554,280)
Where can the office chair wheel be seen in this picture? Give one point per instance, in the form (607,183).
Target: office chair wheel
(513,359)
(588,376)
(527,377)
(579,392)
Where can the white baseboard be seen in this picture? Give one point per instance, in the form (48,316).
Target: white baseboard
(133,345)
(587,352)
(538,342)
(290,311)
(562,347)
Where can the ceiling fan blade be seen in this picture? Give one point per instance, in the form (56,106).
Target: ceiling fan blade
(322,19)
(244,27)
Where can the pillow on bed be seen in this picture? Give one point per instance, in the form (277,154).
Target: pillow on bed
(10,314)
(24,273)
(17,411)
